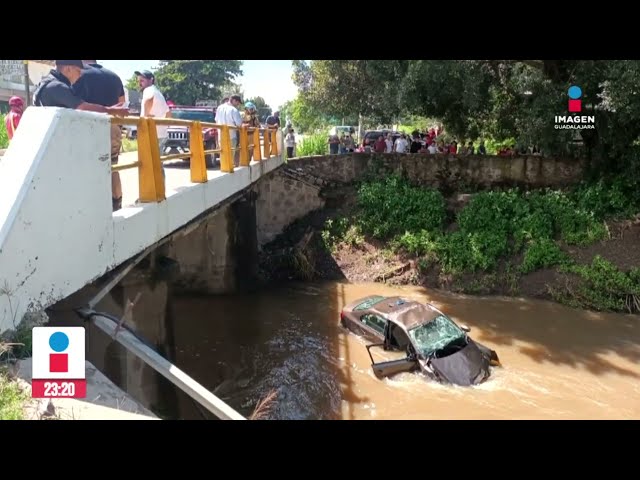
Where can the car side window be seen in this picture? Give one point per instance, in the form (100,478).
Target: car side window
(374,322)
(398,338)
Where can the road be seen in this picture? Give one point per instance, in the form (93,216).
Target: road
(177,175)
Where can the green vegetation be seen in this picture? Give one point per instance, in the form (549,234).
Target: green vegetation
(4,136)
(15,345)
(315,144)
(603,286)
(12,399)
(496,229)
(129,145)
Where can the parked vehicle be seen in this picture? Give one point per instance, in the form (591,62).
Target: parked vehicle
(178,136)
(433,342)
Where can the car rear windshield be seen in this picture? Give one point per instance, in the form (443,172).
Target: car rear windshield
(193,115)
(369,302)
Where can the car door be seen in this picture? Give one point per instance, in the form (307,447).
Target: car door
(372,326)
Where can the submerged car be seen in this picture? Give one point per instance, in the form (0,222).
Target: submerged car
(433,342)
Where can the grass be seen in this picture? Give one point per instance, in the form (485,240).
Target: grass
(12,399)
(129,145)
(4,137)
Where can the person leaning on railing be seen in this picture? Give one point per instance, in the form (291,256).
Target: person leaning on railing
(55,90)
(250,120)
(101,86)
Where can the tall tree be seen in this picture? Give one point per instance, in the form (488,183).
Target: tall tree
(132,83)
(186,81)
(344,88)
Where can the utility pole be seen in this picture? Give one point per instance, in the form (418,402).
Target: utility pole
(26,82)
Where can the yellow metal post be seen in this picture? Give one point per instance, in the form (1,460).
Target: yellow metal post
(275,144)
(267,143)
(257,154)
(196,147)
(244,147)
(226,154)
(150,181)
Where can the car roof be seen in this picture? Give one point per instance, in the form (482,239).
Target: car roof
(195,109)
(401,311)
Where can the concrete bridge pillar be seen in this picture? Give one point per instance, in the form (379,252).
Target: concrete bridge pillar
(219,255)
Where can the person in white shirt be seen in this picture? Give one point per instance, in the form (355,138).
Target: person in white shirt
(432,148)
(290,140)
(389,142)
(401,144)
(228,114)
(153,104)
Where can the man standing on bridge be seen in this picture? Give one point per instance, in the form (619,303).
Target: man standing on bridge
(228,114)
(103,87)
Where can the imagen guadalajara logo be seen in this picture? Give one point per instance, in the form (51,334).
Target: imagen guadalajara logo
(575,122)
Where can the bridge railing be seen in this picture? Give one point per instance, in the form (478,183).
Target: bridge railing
(151,185)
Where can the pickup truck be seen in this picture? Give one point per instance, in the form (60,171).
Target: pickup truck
(178,136)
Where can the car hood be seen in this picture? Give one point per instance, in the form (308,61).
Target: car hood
(468,366)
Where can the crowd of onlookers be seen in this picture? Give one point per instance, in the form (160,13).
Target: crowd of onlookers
(430,141)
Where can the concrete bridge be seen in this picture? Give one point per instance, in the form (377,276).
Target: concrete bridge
(58,232)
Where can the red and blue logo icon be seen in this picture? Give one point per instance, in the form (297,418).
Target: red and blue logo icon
(575,95)
(59,361)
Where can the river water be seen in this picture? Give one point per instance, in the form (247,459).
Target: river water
(558,363)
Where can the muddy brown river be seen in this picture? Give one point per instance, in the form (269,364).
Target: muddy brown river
(558,363)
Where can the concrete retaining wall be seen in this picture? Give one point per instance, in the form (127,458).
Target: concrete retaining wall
(433,170)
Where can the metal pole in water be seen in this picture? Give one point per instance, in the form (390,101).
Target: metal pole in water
(161,365)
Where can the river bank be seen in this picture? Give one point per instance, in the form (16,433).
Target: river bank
(593,269)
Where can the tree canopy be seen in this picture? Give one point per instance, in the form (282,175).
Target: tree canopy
(494,98)
(187,81)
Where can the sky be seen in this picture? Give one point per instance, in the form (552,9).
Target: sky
(269,79)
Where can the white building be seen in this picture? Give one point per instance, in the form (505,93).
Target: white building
(13,85)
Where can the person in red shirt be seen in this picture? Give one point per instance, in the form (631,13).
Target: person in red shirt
(12,119)
(380,146)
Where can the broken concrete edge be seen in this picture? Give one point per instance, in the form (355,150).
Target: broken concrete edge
(104,400)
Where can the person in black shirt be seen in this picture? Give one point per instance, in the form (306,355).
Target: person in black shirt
(273,121)
(55,90)
(101,86)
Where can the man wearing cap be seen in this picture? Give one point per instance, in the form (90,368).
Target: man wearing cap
(153,104)
(55,90)
(12,119)
(103,87)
